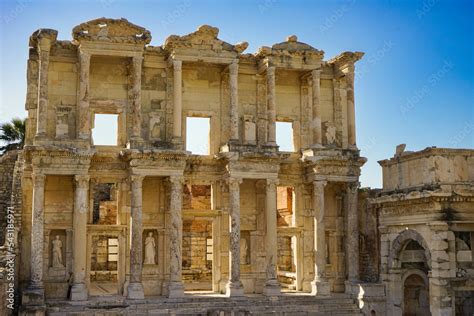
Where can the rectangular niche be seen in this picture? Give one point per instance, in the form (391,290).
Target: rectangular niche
(57,253)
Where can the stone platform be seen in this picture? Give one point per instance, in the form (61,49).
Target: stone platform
(209,304)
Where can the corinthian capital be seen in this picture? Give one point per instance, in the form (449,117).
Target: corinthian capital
(177,65)
(353,187)
(82,181)
(234,183)
(176,180)
(272,184)
(38,179)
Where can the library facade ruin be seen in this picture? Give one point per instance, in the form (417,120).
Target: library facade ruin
(154,215)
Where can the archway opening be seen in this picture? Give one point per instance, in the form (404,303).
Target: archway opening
(415,296)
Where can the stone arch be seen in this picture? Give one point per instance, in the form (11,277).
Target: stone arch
(402,239)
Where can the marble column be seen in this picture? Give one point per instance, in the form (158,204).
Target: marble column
(271,106)
(79,291)
(234,287)
(83,115)
(234,101)
(351,133)
(272,286)
(136,93)
(175,286)
(319,286)
(177,99)
(316,93)
(135,287)
(352,233)
(34,293)
(44,47)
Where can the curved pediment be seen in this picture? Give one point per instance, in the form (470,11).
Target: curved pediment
(111,30)
(291,47)
(204,38)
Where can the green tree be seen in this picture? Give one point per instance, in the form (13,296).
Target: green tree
(12,135)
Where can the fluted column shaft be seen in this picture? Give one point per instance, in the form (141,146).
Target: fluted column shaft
(234,100)
(135,287)
(175,288)
(272,286)
(353,232)
(320,286)
(43,66)
(136,97)
(234,287)
(351,108)
(177,98)
(81,206)
(84,124)
(271,105)
(316,93)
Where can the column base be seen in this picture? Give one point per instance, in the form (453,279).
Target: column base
(320,288)
(271,288)
(351,287)
(234,289)
(175,289)
(33,295)
(79,292)
(135,291)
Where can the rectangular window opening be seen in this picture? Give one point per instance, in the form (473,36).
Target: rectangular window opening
(284,136)
(285,202)
(105,131)
(197,135)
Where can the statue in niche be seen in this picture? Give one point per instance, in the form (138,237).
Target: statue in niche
(150,246)
(57,253)
(243,251)
(330,133)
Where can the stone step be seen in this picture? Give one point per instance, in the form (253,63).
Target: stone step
(218,306)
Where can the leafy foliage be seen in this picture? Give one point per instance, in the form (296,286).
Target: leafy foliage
(12,135)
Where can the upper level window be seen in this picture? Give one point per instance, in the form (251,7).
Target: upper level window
(284,136)
(105,131)
(197,135)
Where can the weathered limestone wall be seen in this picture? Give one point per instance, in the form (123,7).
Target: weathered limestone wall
(7,165)
(426,167)
(369,260)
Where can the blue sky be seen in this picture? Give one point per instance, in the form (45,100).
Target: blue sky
(415,85)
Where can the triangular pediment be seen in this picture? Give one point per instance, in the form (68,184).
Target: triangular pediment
(203,39)
(111,30)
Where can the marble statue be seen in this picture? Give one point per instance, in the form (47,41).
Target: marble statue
(57,253)
(150,247)
(243,251)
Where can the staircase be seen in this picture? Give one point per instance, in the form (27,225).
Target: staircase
(212,305)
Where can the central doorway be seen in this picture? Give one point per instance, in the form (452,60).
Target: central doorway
(198,241)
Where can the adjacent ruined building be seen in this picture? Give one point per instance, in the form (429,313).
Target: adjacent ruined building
(157,228)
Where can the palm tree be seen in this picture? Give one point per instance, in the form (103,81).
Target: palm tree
(12,135)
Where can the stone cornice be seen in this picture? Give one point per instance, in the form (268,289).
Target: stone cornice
(422,197)
(425,153)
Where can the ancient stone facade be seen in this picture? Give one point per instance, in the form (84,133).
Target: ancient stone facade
(425,214)
(148,223)
(118,220)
